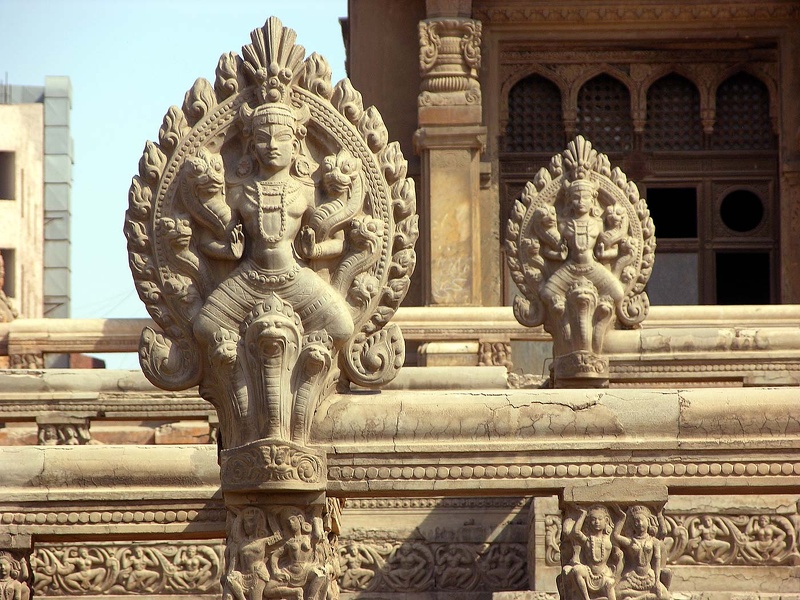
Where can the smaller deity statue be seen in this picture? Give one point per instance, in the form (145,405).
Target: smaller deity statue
(193,570)
(595,563)
(641,577)
(135,574)
(580,246)
(703,539)
(355,576)
(11,588)
(765,540)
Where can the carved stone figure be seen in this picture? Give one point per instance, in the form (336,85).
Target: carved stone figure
(765,540)
(193,570)
(87,572)
(270,234)
(136,574)
(355,576)
(580,245)
(14,578)
(455,568)
(704,541)
(246,551)
(642,576)
(593,572)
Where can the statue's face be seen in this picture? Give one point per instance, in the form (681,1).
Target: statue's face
(581,198)
(5,568)
(191,551)
(250,520)
(640,524)
(597,520)
(763,520)
(275,146)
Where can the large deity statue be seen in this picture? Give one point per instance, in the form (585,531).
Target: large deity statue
(580,247)
(270,234)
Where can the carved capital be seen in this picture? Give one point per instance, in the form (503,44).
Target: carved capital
(580,245)
(449,58)
(272,465)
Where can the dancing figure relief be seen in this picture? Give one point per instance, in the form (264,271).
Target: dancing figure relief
(271,236)
(580,245)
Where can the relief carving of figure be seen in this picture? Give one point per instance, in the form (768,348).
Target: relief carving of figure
(270,235)
(580,246)
(294,563)
(642,575)
(455,567)
(356,576)
(193,570)
(13,578)
(765,540)
(703,540)
(135,573)
(87,572)
(595,559)
(246,552)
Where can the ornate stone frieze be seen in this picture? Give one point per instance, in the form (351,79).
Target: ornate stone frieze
(449,58)
(417,566)
(495,354)
(580,245)
(281,552)
(732,539)
(28,360)
(15,575)
(270,235)
(142,568)
(53,431)
(614,557)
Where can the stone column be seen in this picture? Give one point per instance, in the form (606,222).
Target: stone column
(789,135)
(15,566)
(612,542)
(450,140)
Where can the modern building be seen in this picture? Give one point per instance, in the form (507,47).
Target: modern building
(35,186)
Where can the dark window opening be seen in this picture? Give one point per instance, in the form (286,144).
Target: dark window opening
(534,117)
(674,211)
(604,114)
(7,179)
(741,211)
(7,270)
(743,277)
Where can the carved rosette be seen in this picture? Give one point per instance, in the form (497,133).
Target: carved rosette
(608,551)
(261,464)
(580,245)
(449,58)
(272,268)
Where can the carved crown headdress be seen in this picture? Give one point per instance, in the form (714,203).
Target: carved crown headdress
(274,63)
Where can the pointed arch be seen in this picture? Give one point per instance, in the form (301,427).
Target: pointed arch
(535,122)
(673,114)
(743,114)
(604,113)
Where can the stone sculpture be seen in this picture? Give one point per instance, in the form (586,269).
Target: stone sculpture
(580,245)
(271,235)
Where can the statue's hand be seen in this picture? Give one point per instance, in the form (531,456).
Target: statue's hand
(281,577)
(237,241)
(308,242)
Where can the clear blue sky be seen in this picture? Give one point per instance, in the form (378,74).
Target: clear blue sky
(128,62)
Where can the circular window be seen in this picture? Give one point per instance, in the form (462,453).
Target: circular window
(741,211)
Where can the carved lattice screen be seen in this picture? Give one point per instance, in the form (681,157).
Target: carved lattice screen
(534,117)
(604,114)
(673,115)
(743,121)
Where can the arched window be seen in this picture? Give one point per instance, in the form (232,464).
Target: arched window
(534,116)
(673,115)
(743,121)
(604,114)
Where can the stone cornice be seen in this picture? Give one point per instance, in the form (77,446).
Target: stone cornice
(516,12)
